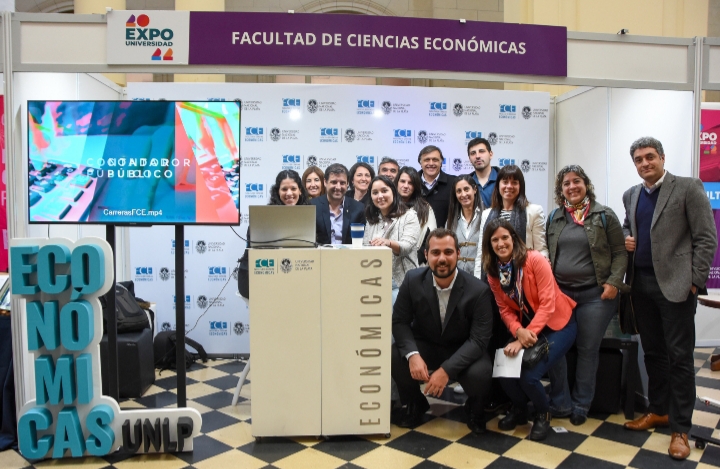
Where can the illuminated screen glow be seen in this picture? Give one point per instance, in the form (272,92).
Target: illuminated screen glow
(144,162)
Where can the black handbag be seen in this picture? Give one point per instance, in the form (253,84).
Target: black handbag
(626,311)
(538,351)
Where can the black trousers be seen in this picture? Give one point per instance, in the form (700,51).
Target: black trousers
(475,379)
(667,332)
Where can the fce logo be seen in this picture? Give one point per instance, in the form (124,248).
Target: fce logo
(291,158)
(506,161)
(328,132)
(253,131)
(366,159)
(291,102)
(187,299)
(507,108)
(469,134)
(253,187)
(143,271)
(218,325)
(365,103)
(437,106)
(403,133)
(187,243)
(217,270)
(260,263)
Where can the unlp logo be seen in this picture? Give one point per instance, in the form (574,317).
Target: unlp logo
(366,159)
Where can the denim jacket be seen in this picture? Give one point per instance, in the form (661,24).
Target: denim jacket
(607,243)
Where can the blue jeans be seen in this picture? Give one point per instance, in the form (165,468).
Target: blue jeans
(528,386)
(593,316)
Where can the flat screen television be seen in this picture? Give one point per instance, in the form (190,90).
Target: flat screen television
(134,162)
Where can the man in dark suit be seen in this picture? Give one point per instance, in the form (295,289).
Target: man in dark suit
(436,184)
(335,212)
(442,321)
(670,231)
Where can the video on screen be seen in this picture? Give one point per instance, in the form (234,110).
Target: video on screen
(134,162)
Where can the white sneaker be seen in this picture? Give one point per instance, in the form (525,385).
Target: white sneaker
(458,389)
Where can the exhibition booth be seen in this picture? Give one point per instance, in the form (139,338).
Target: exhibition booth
(628,86)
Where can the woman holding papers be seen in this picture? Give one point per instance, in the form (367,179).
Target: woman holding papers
(532,307)
(391,224)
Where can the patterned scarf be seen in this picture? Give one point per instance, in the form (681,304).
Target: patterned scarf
(511,281)
(579,211)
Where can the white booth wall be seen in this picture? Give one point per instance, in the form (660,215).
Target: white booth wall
(56,86)
(595,128)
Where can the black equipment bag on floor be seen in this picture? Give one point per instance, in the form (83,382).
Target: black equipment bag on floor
(608,381)
(135,365)
(164,347)
(130,316)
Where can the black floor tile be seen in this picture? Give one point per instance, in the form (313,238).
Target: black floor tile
(346,448)
(703,432)
(613,432)
(430,465)
(652,460)
(161,399)
(224,382)
(458,414)
(215,420)
(204,447)
(272,449)
(171,382)
(507,463)
(578,461)
(707,382)
(711,455)
(569,441)
(418,444)
(235,366)
(492,442)
(216,400)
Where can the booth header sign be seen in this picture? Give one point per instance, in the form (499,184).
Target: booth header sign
(318,40)
(148,37)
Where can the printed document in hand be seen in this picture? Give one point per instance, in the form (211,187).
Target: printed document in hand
(507,367)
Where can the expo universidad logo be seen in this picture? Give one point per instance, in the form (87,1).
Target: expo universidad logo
(137,33)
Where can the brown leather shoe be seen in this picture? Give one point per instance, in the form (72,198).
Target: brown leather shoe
(648,421)
(715,366)
(679,447)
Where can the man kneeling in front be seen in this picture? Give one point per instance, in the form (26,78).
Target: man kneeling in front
(442,321)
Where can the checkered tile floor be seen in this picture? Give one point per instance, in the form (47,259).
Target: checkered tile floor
(443,440)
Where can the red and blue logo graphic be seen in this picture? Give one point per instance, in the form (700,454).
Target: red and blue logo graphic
(142,21)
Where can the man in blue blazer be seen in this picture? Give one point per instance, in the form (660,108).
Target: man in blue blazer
(335,212)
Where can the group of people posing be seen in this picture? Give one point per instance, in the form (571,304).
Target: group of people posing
(477,267)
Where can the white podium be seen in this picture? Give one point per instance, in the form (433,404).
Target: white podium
(320,341)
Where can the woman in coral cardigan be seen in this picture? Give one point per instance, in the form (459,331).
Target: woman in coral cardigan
(531,305)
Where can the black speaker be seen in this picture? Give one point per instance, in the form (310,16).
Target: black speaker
(136,364)
(608,381)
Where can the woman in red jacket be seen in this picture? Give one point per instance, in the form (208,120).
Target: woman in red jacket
(531,305)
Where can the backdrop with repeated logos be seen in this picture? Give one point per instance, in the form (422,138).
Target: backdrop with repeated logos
(293,126)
